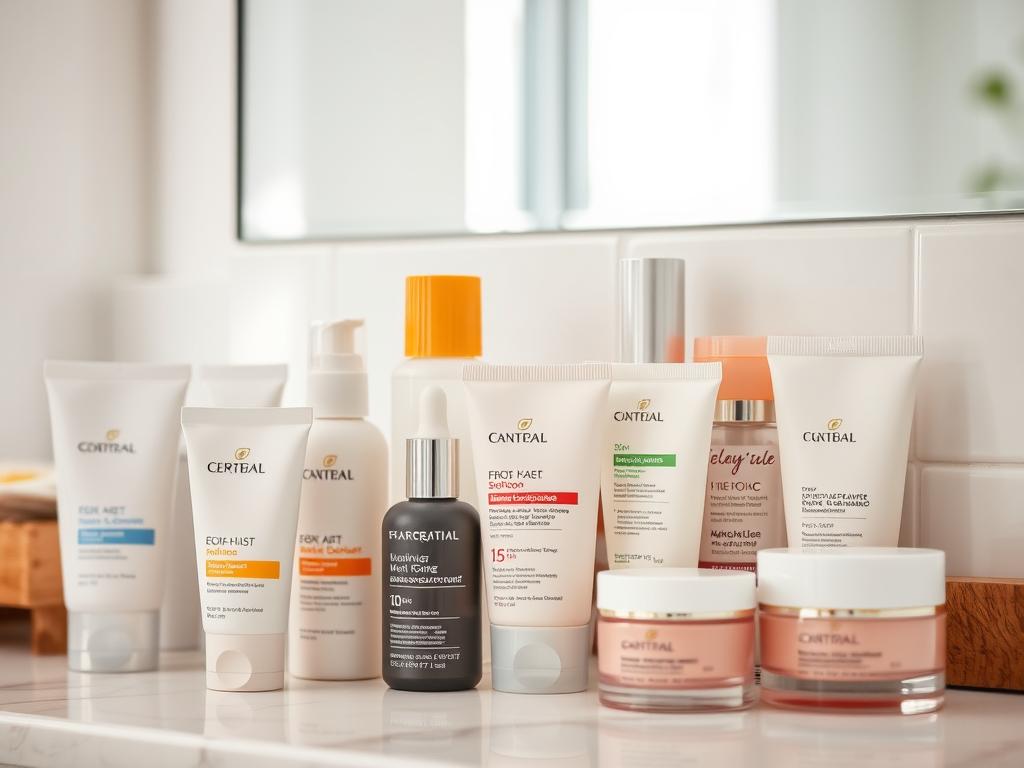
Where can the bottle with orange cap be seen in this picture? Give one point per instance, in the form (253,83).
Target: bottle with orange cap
(442,333)
(743,509)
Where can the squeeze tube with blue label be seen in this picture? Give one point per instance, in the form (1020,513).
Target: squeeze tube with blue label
(115,446)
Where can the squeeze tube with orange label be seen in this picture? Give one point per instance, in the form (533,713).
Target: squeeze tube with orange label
(537,439)
(245,472)
(844,407)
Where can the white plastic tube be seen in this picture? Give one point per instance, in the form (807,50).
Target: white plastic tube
(844,407)
(536,434)
(242,386)
(218,386)
(115,445)
(245,471)
(654,466)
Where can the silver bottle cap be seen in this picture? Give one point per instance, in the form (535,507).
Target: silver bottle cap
(651,311)
(432,456)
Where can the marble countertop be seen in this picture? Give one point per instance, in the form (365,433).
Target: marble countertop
(52,717)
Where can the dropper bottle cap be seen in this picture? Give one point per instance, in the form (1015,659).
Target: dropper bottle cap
(432,456)
(651,311)
(336,386)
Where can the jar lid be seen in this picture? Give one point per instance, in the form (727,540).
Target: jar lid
(857,578)
(675,590)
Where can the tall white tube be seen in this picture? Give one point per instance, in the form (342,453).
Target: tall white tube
(115,445)
(245,471)
(844,407)
(654,465)
(537,434)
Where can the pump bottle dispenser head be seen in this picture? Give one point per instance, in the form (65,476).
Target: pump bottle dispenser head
(432,456)
(336,385)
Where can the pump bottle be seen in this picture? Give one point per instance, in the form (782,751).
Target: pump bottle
(431,576)
(333,628)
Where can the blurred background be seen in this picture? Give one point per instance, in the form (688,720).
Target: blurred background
(162,162)
(405,116)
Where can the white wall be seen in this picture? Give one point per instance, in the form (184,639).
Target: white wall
(75,212)
(74,190)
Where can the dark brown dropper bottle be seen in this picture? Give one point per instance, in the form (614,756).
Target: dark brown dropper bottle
(431,567)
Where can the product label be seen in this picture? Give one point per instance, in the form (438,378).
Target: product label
(335,604)
(649,654)
(640,490)
(432,598)
(853,649)
(231,575)
(821,510)
(743,509)
(146,536)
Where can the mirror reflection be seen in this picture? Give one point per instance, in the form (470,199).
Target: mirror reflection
(403,117)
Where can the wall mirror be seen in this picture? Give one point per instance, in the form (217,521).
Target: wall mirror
(418,117)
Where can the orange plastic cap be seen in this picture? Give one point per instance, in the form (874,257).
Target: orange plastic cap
(745,373)
(442,316)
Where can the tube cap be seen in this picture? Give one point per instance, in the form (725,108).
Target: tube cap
(540,659)
(244,662)
(442,316)
(855,578)
(651,311)
(336,386)
(432,456)
(113,642)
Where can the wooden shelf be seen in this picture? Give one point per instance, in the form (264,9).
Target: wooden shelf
(985,637)
(30,578)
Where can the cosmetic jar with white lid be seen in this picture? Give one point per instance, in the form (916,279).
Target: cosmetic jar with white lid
(675,639)
(857,629)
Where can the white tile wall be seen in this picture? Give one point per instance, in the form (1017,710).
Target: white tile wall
(551,298)
(275,294)
(545,299)
(975,514)
(793,280)
(910,525)
(971,312)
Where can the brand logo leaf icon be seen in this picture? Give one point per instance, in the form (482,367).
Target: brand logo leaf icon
(524,423)
(113,433)
(241,453)
(834,424)
(650,634)
(642,405)
(330,461)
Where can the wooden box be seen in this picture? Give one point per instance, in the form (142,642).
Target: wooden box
(985,633)
(30,578)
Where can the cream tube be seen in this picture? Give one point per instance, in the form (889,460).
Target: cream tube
(844,407)
(115,446)
(242,386)
(536,434)
(654,465)
(245,471)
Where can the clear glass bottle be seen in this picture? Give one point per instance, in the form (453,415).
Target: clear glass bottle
(743,509)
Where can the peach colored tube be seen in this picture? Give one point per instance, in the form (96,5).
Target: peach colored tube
(853,649)
(675,654)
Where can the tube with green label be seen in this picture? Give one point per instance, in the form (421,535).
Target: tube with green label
(655,461)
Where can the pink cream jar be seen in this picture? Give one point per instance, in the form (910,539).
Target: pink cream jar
(675,639)
(857,629)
